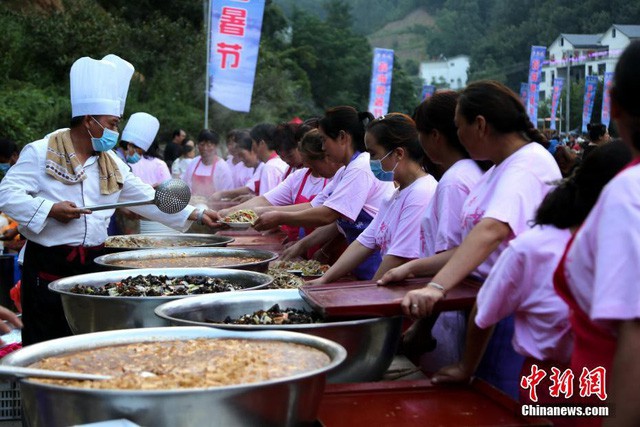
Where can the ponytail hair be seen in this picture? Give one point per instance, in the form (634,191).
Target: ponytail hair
(500,107)
(571,201)
(349,120)
(625,91)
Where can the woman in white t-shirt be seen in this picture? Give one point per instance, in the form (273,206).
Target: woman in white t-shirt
(598,278)
(396,155)
(492,125)
(354,195)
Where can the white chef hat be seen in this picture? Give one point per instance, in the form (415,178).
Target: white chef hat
(94,88)
(124,71)
(141,130)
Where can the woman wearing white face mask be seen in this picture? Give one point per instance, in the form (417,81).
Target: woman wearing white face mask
(396,155)
(67,169)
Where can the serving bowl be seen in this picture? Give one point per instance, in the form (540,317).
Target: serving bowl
(370,343)
(164,241)
(256,259)
(92,313)
(288,401)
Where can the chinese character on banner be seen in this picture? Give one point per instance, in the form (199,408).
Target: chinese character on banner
(531,381)
(558,83)
(524,93)
(535,67)
(590,86)
(234,39)
(380,88)
(606,99)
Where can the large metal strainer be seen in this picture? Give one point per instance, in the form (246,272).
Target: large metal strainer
(171,197)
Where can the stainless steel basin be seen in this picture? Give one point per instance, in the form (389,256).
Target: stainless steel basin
(370,343)
(289,401)
(90,313)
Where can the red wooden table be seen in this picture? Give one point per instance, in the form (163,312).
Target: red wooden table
(420,403)
(367,299)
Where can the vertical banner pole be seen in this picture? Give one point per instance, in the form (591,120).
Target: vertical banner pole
(206,79)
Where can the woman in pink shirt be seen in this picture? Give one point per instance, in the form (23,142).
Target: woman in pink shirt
(521,281)
(354,195)
(492,125)
(598,277)
(392,142)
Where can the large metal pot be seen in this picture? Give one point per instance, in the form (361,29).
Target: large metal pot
(147,254)
(162,241)
(287,401)
(370,343)
(90,313)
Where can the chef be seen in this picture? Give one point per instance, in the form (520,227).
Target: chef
(67,169)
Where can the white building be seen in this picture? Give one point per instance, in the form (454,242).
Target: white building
(450,72)
(583,55)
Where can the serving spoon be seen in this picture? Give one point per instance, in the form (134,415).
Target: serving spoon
(21,372)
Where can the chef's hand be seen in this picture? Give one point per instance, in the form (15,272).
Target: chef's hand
(223,213)
(456,373)
(9,316)
(208,217)
(66,211)
(267,221)
(419,303)
(395,275)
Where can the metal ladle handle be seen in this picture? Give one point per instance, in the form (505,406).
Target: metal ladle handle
(21,372)
(119,205)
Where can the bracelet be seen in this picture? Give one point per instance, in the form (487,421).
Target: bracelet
(200,215)
(438,287)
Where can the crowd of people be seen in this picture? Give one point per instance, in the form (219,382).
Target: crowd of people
(465,187)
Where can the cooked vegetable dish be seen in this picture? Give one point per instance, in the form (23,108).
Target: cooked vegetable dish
(275,316)
(242,215)
(185,261)
(158,286)
(148,242)
(306,267)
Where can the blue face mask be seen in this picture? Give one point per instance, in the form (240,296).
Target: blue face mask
(107,141)
(135,158)
(4,168)
(379,172)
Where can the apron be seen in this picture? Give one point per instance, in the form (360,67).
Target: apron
(42,311)
(202,185)
(295,233)
(367,269)
(593,345)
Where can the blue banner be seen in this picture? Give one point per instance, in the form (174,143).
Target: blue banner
(535,76)
(235,39)
(524,90)
(606,99)
(427,92)
(590,87)
(380,91)
(558,83)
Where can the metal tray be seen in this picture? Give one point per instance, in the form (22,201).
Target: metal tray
(204,240)
(140,255)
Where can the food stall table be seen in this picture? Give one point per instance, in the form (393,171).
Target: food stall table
(420,403)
